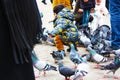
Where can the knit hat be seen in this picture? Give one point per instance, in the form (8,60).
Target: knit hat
(58,8)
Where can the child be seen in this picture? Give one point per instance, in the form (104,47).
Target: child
(65,32)
(86,5)
(82,18)
(78,12)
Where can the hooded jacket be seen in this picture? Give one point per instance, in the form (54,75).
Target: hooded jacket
(65,27)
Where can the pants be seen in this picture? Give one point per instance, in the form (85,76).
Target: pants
(86,15)
(58,42)
(115,23)
(115,37)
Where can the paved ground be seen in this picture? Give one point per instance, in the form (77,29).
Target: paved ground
(43,53)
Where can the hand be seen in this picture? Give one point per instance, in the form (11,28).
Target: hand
(80,10)
(98,2)
(85,0)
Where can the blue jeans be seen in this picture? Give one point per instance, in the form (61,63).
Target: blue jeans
(115,36)
(115,23)
(86,15)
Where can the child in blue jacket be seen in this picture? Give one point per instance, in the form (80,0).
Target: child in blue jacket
(65,31)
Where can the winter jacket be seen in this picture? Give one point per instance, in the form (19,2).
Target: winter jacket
(64,26)
(87,5)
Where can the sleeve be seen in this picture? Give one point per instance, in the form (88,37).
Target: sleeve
(81,3)
(61,26)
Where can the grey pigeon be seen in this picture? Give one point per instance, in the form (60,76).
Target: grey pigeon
(113,67)
(67,72)
(74,55)
(96,57)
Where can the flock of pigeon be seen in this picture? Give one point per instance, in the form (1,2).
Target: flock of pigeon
(98,47)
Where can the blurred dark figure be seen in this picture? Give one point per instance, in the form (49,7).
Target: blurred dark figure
(51,1)
(20,23)
(107,4)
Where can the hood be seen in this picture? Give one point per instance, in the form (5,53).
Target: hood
(66,13)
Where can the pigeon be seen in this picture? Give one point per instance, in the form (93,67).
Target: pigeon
(46,38)
(102,32)
(116,52)
(41,65)
(74,55)
(112,66)
(102,48)
(58,55)
(67,72)
(96,57)
(82,70)
(85,40)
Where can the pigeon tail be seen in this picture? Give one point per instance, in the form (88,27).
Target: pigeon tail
(81,71)
(49,67)
(53,68)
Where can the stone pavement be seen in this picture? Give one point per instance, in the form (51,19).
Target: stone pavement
(43,52)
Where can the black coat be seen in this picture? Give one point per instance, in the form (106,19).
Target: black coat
(19,24)
(87,5)
(78,15)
